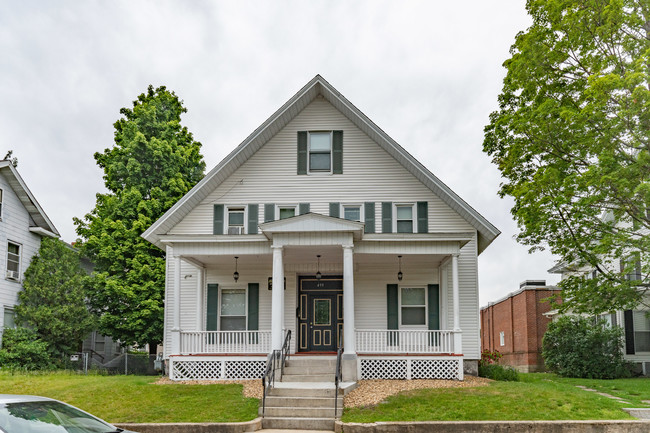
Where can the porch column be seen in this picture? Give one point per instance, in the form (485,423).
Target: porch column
(349,337)
(200,278)
(277,299)
(176,323)
(458,344)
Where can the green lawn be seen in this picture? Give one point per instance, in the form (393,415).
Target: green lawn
(536,397)
(136,398)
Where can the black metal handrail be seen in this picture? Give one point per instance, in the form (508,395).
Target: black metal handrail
(285,352)
(268,380)
(337,378)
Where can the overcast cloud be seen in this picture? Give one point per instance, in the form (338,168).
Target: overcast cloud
(428,73)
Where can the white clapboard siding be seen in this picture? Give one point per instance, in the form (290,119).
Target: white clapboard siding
(15,228)
(369,174)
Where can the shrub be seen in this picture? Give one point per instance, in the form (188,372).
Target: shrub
(23,349)
(490,357)
(498,372)
(577,347)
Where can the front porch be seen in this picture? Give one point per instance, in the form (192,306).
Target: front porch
(392,304)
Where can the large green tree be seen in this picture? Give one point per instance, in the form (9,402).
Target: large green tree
(154,162)
(571,138)
(52,302)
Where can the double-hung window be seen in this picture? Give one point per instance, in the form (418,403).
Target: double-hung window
(9,320)
(320,152)
(352,212)
(233,310)
(13,261)
(641,331)
(404,220)
(287,211)
(413,306)
(236,218)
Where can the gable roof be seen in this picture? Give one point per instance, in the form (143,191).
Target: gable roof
(44,226)
(318,86)
(312,222)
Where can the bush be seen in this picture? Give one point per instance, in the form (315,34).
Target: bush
(498,372)
(490,357)
(22,349)
(578,347)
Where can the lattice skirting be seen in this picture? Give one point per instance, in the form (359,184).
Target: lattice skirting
(216,369)
(411,368)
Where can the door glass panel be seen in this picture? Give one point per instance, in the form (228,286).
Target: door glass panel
(413,296)
(321,311)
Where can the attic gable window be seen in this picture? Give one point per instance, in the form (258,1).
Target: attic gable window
(320,152)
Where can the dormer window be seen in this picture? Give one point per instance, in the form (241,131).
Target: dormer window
(320,152)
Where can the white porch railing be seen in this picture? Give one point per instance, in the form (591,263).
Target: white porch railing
(206,342)
(405,341)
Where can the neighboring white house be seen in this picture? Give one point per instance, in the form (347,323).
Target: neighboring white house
(635,323)
(22,225)
(322,225)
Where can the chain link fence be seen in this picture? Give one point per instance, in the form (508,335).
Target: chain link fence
(125,363)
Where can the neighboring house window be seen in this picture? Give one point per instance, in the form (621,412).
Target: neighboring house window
(233,310)
(609,319)
(404,221)
(352,212)
(635,273)
(502,338)
(9,318)
(13,261)
(641,331)
(236,219)
(286,212)
(320,152)
(413,306)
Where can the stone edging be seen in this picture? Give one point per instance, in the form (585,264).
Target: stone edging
(186,427)
(614,426)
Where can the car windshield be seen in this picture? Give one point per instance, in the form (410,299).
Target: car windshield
(48,417)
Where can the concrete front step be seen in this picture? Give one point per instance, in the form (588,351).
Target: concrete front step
(298,423)
(307,361)
(300,412)
(302,392)
(309,369)
(276,401)
(308,377)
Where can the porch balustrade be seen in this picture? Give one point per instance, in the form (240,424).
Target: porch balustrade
(406,341)
(208,342)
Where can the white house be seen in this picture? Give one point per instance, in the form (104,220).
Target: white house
(321,226)
(22,225)
(635,323)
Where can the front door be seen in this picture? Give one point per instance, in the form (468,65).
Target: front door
(320,314)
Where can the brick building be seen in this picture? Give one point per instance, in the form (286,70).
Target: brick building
(515,325)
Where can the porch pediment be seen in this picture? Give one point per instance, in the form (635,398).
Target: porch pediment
(312,223)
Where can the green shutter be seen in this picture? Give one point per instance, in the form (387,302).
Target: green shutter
(337,152)
(217,220)
(392,314)
(434,306)
(303,208)
(369,214)
(269,212)
(302,152)
(335,210)
(212,307)
(253,218)
(386,217)
(423,217)
(253,306)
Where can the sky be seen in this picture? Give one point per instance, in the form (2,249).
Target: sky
(427,72)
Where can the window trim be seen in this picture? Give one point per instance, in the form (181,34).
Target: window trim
(20,260)
(331,152)
(425,325)
(2,194)
(414,218)
(286,206)
(219,315)
(226,218)
(362,214)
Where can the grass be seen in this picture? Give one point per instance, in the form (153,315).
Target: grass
(536,397)
(135,398)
